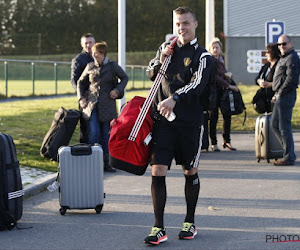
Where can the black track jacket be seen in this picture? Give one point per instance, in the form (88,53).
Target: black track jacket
(182,79)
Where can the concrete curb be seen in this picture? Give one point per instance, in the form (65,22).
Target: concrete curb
(39,186)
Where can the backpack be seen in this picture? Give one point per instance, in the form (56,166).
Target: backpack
(209,95)
(232,103)
(11,191)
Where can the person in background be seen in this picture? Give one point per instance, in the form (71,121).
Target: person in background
(265,76)
(99,103)
(223,80)
(77,66)
(180,91)
(285,84)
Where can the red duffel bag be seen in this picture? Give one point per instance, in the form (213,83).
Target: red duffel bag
(130,155)
(130,134)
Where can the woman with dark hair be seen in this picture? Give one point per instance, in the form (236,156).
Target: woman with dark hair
(265,78)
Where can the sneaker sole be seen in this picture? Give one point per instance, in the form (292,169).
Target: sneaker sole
(162,239)
(188,238)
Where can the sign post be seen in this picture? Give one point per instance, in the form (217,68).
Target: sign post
(273,30)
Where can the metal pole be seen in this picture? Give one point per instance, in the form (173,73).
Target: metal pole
(33,76)
(122,40)
(6,78)
(55,77)
(209,21)
(132,76)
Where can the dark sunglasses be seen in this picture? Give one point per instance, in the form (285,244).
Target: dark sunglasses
(281,44)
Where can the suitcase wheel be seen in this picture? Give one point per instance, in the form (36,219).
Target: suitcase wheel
(99,208)
(63,210)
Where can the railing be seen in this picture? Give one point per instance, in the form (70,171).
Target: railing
(36,77)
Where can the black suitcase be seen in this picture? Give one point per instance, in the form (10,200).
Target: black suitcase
(267,146)
(11,191)
(60,132)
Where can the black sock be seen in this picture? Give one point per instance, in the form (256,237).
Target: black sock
(159,197)
(192,188)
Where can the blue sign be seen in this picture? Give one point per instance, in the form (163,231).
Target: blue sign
(273,31)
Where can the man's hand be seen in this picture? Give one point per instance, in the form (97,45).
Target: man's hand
(166,106)
(114,94)
(167,51)
(83,103)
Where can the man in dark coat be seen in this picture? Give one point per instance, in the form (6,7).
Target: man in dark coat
(285,84)
(78,65)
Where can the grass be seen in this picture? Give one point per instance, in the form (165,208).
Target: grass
(24,88)
(29,120)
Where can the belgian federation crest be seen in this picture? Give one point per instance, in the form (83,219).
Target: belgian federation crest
(187,61)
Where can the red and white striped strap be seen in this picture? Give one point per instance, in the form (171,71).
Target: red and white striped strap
(148,102)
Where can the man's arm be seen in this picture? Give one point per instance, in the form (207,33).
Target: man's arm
(76,70)
(292,74)
(155,63)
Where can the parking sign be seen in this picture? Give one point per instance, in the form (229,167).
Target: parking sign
(273,31)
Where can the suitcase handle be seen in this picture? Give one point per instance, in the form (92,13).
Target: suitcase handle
(81,149)
(261,138)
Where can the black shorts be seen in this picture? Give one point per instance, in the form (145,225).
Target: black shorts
(181,142)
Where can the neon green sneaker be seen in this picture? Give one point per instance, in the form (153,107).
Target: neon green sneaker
(188,231)
(156,236)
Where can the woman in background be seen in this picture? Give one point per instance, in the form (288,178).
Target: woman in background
(265,76)
(99,106)
(223,80)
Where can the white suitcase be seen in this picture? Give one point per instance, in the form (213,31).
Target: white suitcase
(267,146)
(80,177)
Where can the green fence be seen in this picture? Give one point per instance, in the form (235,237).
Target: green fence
(19,78)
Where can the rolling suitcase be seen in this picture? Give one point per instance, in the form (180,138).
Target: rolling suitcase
(60,132)
(80,178)
(11,191)
(267,146)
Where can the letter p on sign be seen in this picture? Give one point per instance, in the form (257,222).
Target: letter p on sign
(273,31)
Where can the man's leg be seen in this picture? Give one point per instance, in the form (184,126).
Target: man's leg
(159,197)
(286,104)
(192,189)
(83,129)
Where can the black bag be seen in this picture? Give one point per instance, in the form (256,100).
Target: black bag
(205,140)
(232,103)
(11,191)
(260,101)
(60,132)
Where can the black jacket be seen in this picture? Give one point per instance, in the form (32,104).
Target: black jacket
(180,78)
(286,76)
(78,65)
(267,74)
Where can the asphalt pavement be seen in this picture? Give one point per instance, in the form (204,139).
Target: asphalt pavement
(243,204)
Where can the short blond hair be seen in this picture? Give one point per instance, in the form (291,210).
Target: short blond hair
(212,42)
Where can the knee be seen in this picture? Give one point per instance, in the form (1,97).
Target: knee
(159,170)
(191,171)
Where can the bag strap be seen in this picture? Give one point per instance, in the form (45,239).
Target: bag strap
(148,102)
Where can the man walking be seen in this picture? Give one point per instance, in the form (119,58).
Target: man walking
(180,91)
(285,83)
(78,65)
